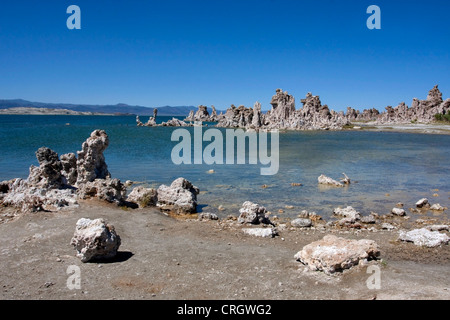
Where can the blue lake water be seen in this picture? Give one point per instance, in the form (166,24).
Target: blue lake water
(406,166)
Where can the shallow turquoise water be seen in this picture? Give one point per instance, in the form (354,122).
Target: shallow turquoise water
(407,166)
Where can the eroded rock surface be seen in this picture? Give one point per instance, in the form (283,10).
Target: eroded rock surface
(253,213)
(424,237)
(95,239)
(333,253)
(180,197)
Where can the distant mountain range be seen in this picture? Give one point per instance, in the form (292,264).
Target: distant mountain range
(120,108)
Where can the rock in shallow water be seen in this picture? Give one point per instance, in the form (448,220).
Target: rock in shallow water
(95,239)
(398,212)
(422,203)
(323,179)
(333,254)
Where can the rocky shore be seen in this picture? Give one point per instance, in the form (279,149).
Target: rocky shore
(349,241)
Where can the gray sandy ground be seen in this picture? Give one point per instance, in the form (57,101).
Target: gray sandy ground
(165,258)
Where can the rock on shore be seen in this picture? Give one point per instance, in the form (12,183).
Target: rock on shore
(95,239)
(424,237)
(180,197)
(253,213)
(57,183)
(333,253)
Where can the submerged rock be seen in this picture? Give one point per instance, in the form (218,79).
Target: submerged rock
(180,197)
(333,254)
(95,239)
(424,237)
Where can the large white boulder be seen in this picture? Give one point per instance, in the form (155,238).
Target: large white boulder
(95,239)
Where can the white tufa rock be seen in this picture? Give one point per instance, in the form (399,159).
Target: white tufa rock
(143,197)
(437,207)
(424,237)
(398,212)
(323,179)
(253,213)
(333,254)
(180,197)
(422,203)
(348,212)
(301,223)
(95,239)
(261,232)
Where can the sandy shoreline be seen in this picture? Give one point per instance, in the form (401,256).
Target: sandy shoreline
(166,258)
(406,128)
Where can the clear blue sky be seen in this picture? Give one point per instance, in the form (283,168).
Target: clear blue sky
(216,52)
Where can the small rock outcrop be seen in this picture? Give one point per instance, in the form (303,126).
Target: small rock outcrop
(95,239)
(174,122)
(422,203)
(398,212)
(151,121)
(180,197)
(253,213)
(110,190)
(332,254)
(323,179)
(48,174)
(91,163)
(58,183)
(143,197)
